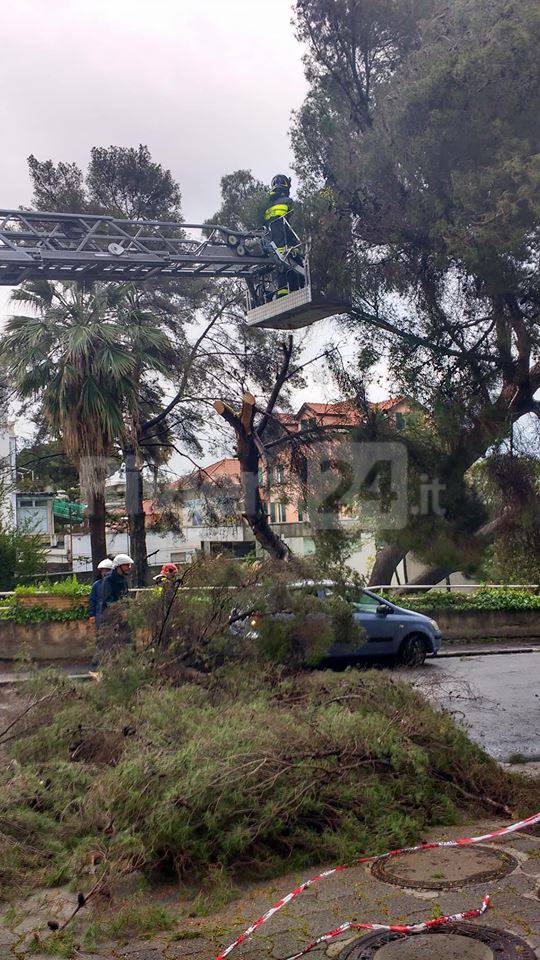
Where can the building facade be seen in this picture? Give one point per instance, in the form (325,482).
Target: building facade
(206,504)
(8,464)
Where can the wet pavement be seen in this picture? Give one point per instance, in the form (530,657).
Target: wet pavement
(358,893)
(496,698)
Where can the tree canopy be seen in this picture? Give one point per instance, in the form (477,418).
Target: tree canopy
(119,181)
(421,125)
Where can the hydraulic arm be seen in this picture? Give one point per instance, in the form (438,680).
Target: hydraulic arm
(64,246)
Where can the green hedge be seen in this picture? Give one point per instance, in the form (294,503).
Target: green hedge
(62,588)
(487,598)
(12,609)
(14,612)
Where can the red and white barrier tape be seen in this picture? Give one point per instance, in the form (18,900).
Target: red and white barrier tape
(393,928)
(461,842)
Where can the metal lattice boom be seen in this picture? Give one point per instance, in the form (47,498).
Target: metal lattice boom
(62,246)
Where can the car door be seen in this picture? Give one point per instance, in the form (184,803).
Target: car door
(383,632)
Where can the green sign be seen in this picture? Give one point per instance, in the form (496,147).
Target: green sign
(65,510)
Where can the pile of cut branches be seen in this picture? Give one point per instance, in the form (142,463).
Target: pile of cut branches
(252,772)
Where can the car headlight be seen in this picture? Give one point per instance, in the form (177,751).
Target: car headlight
(435,625)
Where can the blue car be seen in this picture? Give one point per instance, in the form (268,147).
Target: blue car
(391,631)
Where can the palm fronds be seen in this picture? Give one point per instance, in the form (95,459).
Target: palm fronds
(84,352)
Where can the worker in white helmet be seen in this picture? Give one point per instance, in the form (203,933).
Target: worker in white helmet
(96,594)
(115,586)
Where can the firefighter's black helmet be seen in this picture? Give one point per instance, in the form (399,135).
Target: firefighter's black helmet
(280,180)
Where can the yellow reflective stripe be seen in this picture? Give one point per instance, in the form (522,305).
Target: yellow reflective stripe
(277,210)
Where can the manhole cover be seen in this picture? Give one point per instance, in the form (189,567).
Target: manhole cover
(444,867)
(461,941)
(451,946)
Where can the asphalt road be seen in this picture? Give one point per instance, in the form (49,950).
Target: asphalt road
(496,698)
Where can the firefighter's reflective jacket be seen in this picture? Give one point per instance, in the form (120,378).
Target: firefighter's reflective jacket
(279,204)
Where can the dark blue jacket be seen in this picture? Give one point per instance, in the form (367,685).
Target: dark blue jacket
(114,587)
(95,600)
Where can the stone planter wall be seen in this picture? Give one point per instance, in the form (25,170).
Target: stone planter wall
(486,624)
(51,601)
(73,640)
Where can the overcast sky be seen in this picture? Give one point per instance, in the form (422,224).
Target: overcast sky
(208,85)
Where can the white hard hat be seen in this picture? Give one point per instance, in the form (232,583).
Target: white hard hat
(105,564)
(121,560)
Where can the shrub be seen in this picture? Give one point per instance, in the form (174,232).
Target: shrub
(70,587)
(486,598)
(14,611)
(22,554)
(203,620)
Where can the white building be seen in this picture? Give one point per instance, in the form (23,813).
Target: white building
(160,547)
(8,454)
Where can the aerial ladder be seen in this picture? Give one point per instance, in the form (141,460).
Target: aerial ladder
(83,247)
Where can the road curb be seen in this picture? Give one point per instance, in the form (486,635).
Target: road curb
(485,653)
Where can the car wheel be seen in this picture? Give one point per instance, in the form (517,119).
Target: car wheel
(412,652)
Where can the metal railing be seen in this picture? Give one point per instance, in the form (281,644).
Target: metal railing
(395,588)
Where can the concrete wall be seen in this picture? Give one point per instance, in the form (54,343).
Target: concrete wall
(74,639)
(483,624)
(7,471)
(51,640)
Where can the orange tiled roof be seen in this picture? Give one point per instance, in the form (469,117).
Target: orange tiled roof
(228,468)
(285,417)
(347,407)
(345,410)
(387,404)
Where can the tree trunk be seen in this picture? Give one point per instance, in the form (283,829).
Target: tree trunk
(247,449)
(96,521)
(431,576)
(136,519)
(486,534)
(385,564)
(257,517)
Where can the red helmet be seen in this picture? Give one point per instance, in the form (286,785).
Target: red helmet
(168,568)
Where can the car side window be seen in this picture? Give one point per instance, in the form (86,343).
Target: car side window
(366,604)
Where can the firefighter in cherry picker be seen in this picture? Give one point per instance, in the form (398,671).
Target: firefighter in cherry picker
(279,207)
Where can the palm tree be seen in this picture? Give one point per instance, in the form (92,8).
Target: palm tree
(82,353)
(153,346)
